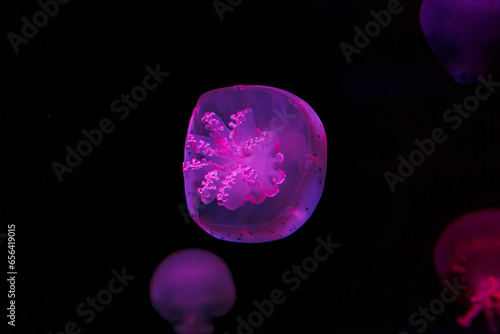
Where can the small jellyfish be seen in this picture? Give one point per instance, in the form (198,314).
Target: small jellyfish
(254,163)
(189,288)
(463,34)
(469,251)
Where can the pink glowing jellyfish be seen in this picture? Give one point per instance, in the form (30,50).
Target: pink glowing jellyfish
(254,163)
(469,250)
(190,287)
(463,34)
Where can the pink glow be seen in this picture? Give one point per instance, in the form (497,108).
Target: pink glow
(236,159)
(189,288)
(463,34)
(254,163)
(470,250)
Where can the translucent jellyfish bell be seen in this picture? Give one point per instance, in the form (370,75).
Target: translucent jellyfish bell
(463,34)
(189,288)
(254,163)
(469,249)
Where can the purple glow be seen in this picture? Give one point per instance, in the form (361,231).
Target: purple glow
(189,288)
(254,163)
(464,35)
(470,249)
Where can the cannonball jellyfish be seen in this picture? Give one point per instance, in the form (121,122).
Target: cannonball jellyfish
(190,287)
(254,163)
(469,251)
(463,34)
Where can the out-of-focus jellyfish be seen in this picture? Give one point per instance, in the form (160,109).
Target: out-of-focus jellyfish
(463,34)
(254,163)
(469,251)
(189,288)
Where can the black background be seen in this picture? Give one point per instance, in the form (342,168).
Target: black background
(119,208)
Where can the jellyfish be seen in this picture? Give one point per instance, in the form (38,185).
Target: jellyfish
(464,35)
(189,288)
(469,251)
(254,163)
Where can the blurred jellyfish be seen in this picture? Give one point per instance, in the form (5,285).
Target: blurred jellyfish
(463,34)
(469,249)
(254,163)
(189,288)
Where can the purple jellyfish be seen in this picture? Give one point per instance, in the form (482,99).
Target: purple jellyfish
(469,250)
(463,34)
(254,163)
(189,288)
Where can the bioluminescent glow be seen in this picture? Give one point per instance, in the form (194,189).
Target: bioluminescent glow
(189,288)
(469,249)
(463,34)
(254,163)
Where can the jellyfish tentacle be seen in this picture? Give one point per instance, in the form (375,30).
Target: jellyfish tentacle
(490,315)
(494,311)
(243,160)
(471,314)
(496,304)
(484,301)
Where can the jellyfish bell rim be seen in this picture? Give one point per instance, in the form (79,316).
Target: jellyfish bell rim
(206,327)
(465,70)
(314,126)
(300,103)
(458,222)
